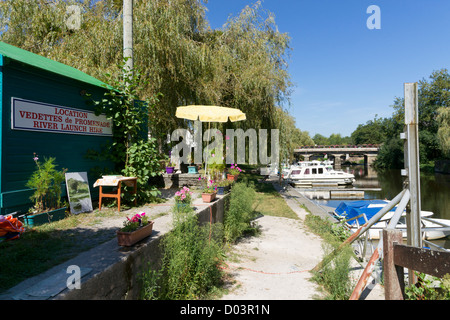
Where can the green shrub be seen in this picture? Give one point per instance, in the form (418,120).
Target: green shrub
(46,182)
(238,216)
(335,275)
(191,255)
(429,288)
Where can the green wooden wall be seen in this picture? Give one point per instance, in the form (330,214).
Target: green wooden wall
(17,147)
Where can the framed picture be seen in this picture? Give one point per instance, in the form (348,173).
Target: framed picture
(78,192)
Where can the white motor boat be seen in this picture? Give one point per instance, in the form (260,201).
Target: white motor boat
(317,173)
(356,213)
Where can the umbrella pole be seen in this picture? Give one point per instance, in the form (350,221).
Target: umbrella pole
(206,161)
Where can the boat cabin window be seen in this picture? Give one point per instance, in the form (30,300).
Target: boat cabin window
(306,171)
(314,171)
(320,170)
(295,172)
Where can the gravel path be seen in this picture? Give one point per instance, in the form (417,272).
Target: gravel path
(276,264)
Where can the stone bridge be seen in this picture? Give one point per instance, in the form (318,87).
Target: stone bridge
(339,153)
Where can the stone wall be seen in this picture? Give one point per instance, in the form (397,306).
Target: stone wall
(120,278)
(178,180)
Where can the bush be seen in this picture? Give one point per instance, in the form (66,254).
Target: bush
(240,212)
(46,182)
(335,276)
(192,253)
(429,288)
(190,261)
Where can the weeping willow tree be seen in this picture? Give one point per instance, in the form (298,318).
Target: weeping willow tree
(290,136)
(243,65)
(443,118)
(251,62)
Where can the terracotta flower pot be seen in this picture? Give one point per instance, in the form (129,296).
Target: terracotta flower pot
(232,177)
(127,239)
(208,197)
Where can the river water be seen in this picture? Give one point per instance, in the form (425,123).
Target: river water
(434,188)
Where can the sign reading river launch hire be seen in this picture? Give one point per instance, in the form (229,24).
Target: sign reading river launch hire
(43,117)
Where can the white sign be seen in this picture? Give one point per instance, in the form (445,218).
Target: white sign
(43,117)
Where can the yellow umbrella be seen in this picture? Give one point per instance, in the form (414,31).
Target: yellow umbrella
(209,114)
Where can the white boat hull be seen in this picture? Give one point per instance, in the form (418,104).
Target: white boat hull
(433,229)
(374,233)
(317,173)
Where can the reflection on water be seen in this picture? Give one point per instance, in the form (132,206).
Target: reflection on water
(434,187)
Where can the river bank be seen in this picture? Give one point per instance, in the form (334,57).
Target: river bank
(276,265)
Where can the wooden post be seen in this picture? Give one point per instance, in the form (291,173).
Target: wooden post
(394,284)
(414,234)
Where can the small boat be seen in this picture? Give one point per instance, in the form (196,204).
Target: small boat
(317,173)
(356,213)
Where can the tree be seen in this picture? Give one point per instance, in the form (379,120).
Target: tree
(290,136)
(434,103)
(320,139)
(373,132)
(243,65)
(443,133)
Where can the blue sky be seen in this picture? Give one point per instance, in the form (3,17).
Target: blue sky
(344,73)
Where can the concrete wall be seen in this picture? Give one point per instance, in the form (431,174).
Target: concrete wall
(119,279)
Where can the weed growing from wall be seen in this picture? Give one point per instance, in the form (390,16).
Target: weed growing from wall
(190,261)
(193,253)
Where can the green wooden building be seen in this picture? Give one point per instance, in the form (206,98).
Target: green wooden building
(44,111)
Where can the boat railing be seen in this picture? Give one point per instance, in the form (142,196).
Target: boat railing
(435,246)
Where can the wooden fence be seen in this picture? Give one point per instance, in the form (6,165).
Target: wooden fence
(398,256)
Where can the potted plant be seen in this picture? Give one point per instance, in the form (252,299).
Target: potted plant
(233,172)
(192,169)
(209,191)
(223,186)
(183,198)
(46,182)
(134,230)
(170,167)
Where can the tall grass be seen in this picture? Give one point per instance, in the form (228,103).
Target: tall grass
(335,275)
(192,253)
(189,263)
(239,214)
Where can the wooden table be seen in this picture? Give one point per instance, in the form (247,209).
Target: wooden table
(115,181)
